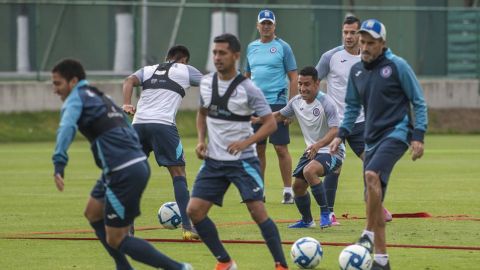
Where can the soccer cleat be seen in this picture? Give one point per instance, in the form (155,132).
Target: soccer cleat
(302,224)
(325,220)
(231,265)
(187,266)
(190,235)
(387,215)
(287,198)
(278,266)
(377,266)
(365,241)
(333,219)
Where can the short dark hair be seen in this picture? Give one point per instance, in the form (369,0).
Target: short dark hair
(233,42)
(178,52)
(309,71)
(351,20)
(69,68)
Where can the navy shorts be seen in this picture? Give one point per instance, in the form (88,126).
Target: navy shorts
(215,177)
(281,136)
(121,192)
(164,141)
(330,164)
(356,138)
(383,157)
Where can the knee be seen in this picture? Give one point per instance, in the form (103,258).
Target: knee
(114,241)
(91,216)
(282,150)
(299,189)
(311,171)
(372,180)
(194,213)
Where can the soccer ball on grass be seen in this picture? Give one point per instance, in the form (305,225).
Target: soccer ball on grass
(355,257)
(169,216)
(306,253)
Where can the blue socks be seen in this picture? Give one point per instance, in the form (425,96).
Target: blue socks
(140,250)
(120,260)
(303,206)
(272,239)
(331,184)
(182,197)
(318,192)
(209,235)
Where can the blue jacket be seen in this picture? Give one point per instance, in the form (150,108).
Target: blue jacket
(385,87)
(112,148)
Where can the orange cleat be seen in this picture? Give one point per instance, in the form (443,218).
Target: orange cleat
(231,265)
(278,266)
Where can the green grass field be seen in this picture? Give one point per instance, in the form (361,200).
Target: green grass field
(443,183)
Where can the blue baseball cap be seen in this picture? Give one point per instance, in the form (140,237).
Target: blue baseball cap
(265,15)
(375,28)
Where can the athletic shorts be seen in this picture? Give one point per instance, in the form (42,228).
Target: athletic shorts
(356,138)
(121,192)
(383,157)
(215,177)
(330,164)
(164,141)
(281,136)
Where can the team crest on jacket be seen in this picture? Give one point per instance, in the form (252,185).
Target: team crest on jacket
(273,50)
(316,111)
(386,72)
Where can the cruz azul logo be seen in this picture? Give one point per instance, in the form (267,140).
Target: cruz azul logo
(386,72)
(316,111)
(273,50)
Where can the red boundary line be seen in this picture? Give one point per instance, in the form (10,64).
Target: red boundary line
(246,242)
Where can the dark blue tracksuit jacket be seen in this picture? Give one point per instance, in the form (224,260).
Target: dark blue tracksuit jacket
(385,87)
(115,147)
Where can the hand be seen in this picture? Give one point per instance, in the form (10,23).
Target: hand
(59,181)
(129,109)
(334,145)
(236,147)
(416,150)
(288,121)
(312,151)
(255,120)
(201,151)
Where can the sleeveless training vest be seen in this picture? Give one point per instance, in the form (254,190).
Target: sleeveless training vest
(113,117)
(218,107)
(160,80)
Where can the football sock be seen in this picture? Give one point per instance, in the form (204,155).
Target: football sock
(370,235)
(120,260)
(182,197)
(331,184)
(287,190)
(272,238)
(140,250)
(303,206)
(318,192)
(208,233)
(381,259)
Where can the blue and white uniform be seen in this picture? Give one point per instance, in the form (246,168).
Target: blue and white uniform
(229,121)
(163,88)
(385,87)
(315,120)
(334,66)
(115,148)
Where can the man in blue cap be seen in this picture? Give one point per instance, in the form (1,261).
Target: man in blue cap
(386,86)
(269,61)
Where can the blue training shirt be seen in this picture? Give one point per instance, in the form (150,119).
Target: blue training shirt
(112,149)
(385,87)
(269,64)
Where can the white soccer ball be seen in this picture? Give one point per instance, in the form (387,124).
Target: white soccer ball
(306,253)
(169,215)
(355,257)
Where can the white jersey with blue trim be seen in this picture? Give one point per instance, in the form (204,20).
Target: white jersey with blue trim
(246,99)
(161,105)
(334,66)
(315,119)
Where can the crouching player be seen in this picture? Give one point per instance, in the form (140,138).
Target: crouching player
(318,120)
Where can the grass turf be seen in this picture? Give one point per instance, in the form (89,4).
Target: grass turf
(444,182)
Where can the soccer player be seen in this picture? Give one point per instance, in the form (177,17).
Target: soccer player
(227,101)
(163,87)
(334,66)
(318,120)
(386,86)
(269,61)
(115,199)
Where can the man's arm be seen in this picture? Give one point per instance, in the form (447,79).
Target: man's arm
(268,127)
(324,141)
(130,82)
(195,76)
(293,85)
(201,123)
